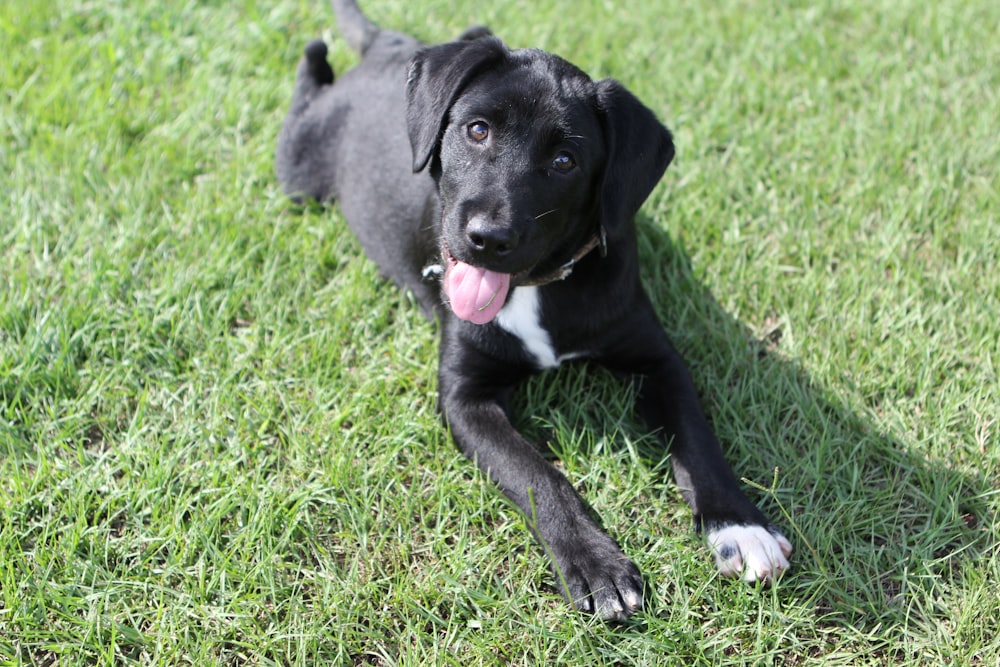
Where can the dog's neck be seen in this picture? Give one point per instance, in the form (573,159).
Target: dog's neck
(598,240)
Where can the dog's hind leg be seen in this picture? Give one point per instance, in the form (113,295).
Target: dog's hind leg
(312,74)
(475,32)
(302,169)
(318,69)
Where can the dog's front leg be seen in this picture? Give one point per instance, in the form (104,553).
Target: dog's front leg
(590,568)
(743,542)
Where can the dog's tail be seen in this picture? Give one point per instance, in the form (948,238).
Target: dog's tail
(357,29)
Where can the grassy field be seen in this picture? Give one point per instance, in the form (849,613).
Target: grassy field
(218,441)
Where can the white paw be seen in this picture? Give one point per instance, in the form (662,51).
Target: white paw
(753,552)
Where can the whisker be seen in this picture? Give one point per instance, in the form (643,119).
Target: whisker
(542,215)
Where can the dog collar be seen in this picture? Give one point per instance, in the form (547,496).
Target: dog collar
(599,239)
(435,271)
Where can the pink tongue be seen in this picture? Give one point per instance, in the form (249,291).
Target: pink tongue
(476,295)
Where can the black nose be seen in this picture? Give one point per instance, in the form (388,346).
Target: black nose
(488,239)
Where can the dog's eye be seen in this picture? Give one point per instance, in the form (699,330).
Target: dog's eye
(478,131)
(563,162)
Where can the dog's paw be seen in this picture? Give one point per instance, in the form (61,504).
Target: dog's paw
(753,552)
(601,581)
(316,64)
(475,32)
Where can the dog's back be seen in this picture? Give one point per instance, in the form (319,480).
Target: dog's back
(345,139)
(336,122)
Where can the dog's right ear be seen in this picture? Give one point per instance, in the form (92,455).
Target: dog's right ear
(438,74)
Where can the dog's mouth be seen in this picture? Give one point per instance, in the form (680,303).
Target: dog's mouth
(474,293)
(477,294)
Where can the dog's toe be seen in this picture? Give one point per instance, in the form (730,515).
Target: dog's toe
(603,582)
(611,596)
(755,553)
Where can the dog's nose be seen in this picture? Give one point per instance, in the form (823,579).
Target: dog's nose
(488,239)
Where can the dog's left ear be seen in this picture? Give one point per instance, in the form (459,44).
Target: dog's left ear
(438,74)
(639,150)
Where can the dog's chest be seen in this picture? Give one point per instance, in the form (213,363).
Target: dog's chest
(521,317)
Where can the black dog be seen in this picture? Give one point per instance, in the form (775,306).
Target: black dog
(511,220)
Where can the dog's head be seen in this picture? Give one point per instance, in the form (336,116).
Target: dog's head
(532,160)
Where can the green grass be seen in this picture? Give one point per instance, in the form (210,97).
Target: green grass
(218,441)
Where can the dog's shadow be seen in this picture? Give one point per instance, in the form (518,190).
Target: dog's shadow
(879,529)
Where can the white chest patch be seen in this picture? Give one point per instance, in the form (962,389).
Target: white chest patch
(521,317)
